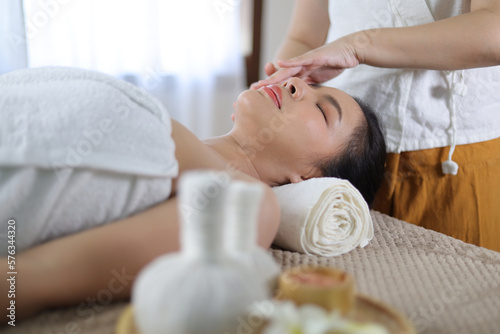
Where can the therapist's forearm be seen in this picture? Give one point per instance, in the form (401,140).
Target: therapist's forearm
(308,28)
(466,41)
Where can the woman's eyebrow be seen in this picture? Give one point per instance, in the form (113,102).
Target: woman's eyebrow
(333,101)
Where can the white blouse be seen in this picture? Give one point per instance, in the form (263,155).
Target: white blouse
(419,109)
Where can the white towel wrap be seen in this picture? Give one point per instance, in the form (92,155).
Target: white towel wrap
(322,216)
(78,149)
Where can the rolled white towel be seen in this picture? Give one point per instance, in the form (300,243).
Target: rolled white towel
(323,216)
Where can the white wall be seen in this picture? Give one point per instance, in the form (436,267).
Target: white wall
(12,40)
(276,16)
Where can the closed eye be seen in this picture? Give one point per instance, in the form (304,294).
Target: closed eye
(322,111)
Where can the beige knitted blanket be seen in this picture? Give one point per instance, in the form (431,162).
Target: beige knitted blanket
(441,284)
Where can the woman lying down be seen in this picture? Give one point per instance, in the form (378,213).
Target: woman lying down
(80,149)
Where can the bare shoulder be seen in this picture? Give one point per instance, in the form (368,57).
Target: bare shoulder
(190,152)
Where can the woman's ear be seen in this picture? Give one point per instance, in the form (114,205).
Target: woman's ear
(305,175)
(296,178)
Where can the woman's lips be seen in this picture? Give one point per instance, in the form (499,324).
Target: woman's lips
(275,94)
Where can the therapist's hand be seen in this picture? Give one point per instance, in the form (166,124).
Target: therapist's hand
(269,69)
(314,67)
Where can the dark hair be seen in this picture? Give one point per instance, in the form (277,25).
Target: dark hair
(362,161)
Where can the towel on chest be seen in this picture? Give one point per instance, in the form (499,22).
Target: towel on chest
(78,149)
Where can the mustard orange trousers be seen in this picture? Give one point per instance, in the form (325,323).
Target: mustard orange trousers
(465,206)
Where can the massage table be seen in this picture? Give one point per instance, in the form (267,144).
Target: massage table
(441,284)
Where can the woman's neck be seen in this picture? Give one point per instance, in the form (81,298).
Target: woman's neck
(231,151)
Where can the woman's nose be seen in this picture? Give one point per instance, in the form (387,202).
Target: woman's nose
(297,87)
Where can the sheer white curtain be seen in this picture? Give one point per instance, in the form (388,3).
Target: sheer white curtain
(12,37)
(186,53)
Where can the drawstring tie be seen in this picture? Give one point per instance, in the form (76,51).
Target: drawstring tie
(458,87)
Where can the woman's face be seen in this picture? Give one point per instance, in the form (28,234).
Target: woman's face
(286,129)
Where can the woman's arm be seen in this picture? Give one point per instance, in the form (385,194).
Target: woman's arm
(79,267)
(307,30)
(466,41)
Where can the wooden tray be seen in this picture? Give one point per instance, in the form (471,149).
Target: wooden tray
(126,323)
(365,310)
